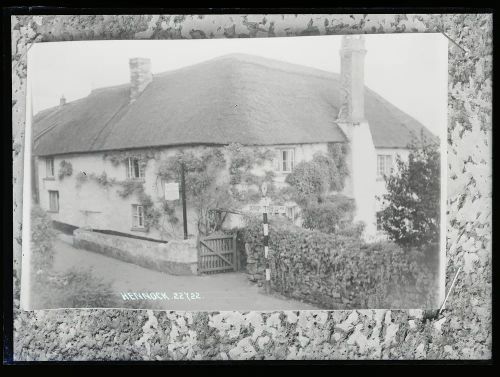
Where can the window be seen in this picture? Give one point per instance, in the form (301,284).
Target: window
(134,169)
(285,160)
(49,167)
(54,201)
(137,216)
(384,164)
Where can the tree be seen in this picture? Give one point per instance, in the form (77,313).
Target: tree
(411,216)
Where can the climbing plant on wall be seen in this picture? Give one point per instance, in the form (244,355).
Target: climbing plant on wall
(214,183)
(65,169)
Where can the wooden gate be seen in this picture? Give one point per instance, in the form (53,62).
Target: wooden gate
(217,254)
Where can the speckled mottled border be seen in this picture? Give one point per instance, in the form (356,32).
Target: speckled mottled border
(461,331)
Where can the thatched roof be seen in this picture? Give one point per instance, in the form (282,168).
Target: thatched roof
(234,98)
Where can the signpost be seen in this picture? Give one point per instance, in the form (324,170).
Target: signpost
(267,284)
(184,215)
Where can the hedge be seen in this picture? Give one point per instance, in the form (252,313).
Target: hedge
(339,272)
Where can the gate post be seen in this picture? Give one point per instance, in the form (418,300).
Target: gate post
(236,254)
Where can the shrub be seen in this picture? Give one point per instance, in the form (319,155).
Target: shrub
(336,213)
(42,239)
(76,288)
(336,271)
(412,204)
(310,179)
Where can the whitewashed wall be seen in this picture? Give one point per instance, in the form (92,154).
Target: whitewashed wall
(92,205)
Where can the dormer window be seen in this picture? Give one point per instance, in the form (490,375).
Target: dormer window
(134,169)
(49,167)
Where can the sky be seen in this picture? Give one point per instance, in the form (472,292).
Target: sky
(409,70)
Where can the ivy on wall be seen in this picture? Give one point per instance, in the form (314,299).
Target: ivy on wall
(142,155)
(65,169)
(214,183)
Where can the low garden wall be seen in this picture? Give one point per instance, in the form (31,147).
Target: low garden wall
(337,272)
(177,257)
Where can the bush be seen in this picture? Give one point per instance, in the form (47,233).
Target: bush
(411,216)
(77,288)
(338,271)
(330,216)
(42,239)
(310,179)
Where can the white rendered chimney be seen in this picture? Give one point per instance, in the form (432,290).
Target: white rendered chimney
(140,76)
(362,157)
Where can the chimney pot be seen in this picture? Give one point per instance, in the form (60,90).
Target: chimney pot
(140,76)
(62,101)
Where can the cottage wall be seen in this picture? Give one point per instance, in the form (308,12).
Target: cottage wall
(89,204)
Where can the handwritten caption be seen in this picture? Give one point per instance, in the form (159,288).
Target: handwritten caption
(188,296)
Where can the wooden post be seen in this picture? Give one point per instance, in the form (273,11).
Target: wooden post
(267,284)
(183,193)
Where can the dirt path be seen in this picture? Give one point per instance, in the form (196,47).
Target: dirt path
(228,291)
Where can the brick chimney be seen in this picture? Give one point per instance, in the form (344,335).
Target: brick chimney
(362,157)
(62,101)
(140,76)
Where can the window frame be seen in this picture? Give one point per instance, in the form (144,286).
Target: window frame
(290,163)
(388,168)
(49,167)
(51,193)
(137,216)
(131,169)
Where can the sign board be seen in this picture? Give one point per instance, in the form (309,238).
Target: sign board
(172,191)
(272,210)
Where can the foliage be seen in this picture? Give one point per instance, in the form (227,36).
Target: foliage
(42,239)
(209,189)
(129,187)
(102,179)
(312,180)
(411,216)
(334,214)
(76,288)
(65,169)
(121,157)
(338,271)
(244,159)
(339,169)
(169,211)
(203,189)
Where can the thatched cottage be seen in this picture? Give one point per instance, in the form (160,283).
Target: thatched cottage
(254,101)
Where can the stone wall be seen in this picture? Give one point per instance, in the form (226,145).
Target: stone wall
(177,257)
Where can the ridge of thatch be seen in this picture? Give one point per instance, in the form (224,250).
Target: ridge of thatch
(234,98)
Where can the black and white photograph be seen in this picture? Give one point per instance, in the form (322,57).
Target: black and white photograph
(304,173)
